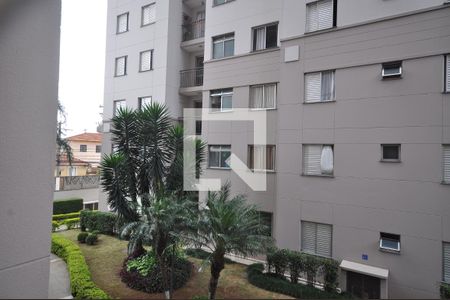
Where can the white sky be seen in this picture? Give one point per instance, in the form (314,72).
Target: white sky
(82,63)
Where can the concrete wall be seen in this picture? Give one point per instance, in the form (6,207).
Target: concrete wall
(29,51)
(365,196)
(88,195)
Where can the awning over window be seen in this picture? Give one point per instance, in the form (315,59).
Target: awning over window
(364,269)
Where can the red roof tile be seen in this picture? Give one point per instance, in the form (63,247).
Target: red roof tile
(87,137)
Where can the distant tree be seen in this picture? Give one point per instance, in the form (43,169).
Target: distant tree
(63,148)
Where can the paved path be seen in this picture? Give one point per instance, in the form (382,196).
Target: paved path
(59,285)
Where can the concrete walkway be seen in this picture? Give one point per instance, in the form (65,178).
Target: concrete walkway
(59,284)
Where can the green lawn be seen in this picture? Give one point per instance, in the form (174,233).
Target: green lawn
(105,261)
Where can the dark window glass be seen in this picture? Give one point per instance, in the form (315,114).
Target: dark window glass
(271,36)
(391,152)
(98,148)
(83,148)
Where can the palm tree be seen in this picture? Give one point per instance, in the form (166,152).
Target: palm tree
(229,226)
(145,175)
(63,148)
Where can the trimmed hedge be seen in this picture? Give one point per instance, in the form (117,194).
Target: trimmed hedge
(279,284)
(82,237)
(91,239)
(81,283)
(71,223)
(103,222)
(65,216)
(444,289)
(69,205)
(55,225)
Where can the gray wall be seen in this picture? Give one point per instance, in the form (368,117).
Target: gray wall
(29,51)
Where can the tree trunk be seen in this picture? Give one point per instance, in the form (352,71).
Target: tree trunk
(217,265)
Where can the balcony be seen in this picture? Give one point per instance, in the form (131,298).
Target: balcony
(193,36)
(191,81)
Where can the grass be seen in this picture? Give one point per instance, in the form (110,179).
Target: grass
(105,261)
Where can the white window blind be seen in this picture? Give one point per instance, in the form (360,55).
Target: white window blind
(148,14)
(446,163)
(146,61)
(263,96)
(447,73)
(319,87)
(318,160)
(446,262)
(316,238)
(121,66)
(319,15)
(122,23)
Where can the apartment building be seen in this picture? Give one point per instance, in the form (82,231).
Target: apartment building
(358,121)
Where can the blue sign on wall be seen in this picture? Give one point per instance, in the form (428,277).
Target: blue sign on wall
(365,257)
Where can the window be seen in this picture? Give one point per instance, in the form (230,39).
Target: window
(122,23)
(221,100)
(389,242)
(446,262)
(266,220)
(263,96)
(319,87)
(144,101)
(83,148)
(90,206)
(318,160)
(392,70)
(223,46)
(98,148)
(198,127)
(219,156)
(447,73)
(320,15)
(446,163)
(265,37)
(316,238)
(218,2)
(261,157)
(146,61)
(121,66)
(118,104)
(390,153)
(148,14)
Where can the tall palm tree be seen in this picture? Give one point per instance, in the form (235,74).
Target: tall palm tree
(229,226)
(63,148)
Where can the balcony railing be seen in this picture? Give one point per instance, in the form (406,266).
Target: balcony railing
(193,30)
(191,78)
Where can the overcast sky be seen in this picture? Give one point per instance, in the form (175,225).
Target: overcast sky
(82,63)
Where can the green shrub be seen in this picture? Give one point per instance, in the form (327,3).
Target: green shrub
(55,225)
(71,223)
(296,265)
(197,297)
(69,205)
(311,266)
(81,284)
(331,274)
(278,261)
(143,264)
(65,216)
(445,290)
(103,222)
(275,283)
(82,237)
(91,239)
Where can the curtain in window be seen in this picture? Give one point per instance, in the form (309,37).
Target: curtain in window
(256,97)
(326,160)
(260,36)
(120,66)
(446,262)
(259,157)
(122,23)
(312,87)
(327,86)
(446,160)
(270,95)
(146,60)
(148,14)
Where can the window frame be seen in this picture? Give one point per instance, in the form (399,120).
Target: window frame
(263,85)
(253,40)
(142,14)
(390,237)
(223,3)
(220,156)
(315,244)
(83,148)
(333,98)
(140,101)
(125,57)
(325,175)
(215,93)
(444,147)
(250,155)
(115,108)
(127,14)
(388,160)
(98,148)
(222,39)
(446,73)
(443,262)
(93,203)
(333,16)
(140,61)
(393,64)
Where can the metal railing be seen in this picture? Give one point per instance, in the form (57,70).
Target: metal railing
(192,77)
(193,30)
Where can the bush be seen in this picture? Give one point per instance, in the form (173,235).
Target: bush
(65,216)
(275,283)
(81,284)
(82,237)
(69,205)
(445,290)
(278,261)
(55,225)
(103,222)
(331,274)
(135,276)
(91,239)
(202,254)
(71,223)
(296,265)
